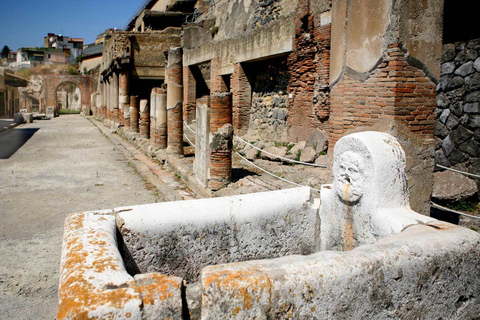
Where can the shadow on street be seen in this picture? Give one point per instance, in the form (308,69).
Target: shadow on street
(13,140)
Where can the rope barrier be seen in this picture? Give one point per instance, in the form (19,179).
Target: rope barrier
(455,170)
(188,140)
(279,157)
(454,211)
(272,174)
(186,125)
(273,155)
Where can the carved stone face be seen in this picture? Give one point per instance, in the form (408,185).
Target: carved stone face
(349,180)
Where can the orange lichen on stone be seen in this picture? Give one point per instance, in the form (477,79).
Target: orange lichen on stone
(156,287)
(84,292)
(248,286)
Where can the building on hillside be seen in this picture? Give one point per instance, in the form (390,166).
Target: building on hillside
(12,58)
(32,57)
(72,47)
(9,92)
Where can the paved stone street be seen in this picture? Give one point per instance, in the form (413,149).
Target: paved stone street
(48,169)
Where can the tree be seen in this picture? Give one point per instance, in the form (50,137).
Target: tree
(5,51)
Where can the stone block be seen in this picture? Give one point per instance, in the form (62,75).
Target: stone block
(273,152)
(18,118)
(308,155)
(471,107)
(452,186)
(318,140)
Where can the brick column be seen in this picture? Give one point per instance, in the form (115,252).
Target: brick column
(134,113)
(107,99)
(102,100)
(123,96)
(175,101)
(160,140)
(217,83)
(241,99)
(221,134)
(189,94)
(144,119)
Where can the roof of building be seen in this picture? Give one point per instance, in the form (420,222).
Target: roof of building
(93,50)
(14,80)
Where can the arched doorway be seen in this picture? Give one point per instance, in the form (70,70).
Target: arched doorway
(68,98)
(53,82)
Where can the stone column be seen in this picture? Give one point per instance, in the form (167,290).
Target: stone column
(153,107)
(144,119)
(220,140)
(106,115)
(123,96)
(104,100)
(175,101)
(202,136)
(115,103)
(134,113)
(161,119)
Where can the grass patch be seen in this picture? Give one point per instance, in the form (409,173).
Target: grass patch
(68,111)
(466,206)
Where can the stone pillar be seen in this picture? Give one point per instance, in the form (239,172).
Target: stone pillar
(123,95)
(144,119)
(202,134)
(115,104)
(175,101)
(107,99)
(153,115)
(161,119)
(220,145)
(158,118)
(104,100)
(134,113)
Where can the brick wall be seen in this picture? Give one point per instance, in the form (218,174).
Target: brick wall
(395,90)
(308,105)
(217,83)
(241,99)
(189,95)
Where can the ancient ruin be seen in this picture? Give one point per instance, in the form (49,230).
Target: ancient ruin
(357,83)
(359,250)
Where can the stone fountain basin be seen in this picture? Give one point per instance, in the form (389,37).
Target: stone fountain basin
(256,256)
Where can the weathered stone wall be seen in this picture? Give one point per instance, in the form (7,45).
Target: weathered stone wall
(246,227)
(457,121)
(141,51)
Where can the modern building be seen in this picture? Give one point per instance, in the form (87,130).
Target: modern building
(72,47)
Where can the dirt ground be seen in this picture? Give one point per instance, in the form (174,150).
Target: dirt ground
(48,169)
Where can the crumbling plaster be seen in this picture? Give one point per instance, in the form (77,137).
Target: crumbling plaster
(363,40)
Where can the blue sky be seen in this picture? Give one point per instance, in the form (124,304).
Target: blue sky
(25,23)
